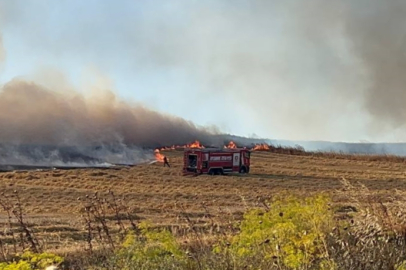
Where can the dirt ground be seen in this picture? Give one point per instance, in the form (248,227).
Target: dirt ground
(161,194)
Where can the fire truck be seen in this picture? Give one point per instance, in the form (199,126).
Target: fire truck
(216,161)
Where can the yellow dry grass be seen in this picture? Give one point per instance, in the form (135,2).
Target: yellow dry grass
(161,194)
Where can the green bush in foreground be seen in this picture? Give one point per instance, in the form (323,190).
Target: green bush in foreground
(32,261)
(151,249)
(291,234)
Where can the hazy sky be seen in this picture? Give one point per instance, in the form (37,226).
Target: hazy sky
(302,70)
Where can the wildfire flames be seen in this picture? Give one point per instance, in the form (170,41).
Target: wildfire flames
(158,156)
(195,144)
(231,145)
(261,147)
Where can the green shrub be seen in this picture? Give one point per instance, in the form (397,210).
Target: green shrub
(151,249)
(290,234)
(21,265)
(401,266)
(32,261)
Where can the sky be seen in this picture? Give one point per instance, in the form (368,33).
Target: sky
(295,70)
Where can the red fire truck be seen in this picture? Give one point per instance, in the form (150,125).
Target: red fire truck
(216,161)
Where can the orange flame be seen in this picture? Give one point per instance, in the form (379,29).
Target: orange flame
(158,156)
(231,145)
(261,147)
(195,144)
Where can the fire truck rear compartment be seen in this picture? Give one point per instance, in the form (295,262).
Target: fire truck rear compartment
(192,161)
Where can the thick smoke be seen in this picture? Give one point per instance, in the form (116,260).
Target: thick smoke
(32,114)
(377,32)
(39,126)
(300,69)
(282,67)
(52,124)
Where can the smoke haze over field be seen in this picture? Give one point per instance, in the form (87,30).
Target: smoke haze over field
(42,127)
(32,114)
(299,70)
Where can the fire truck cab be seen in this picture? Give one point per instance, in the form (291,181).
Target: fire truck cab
(216,161)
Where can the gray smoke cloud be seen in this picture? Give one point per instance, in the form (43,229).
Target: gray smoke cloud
(44,127)
(53,124)
(33,114)
(376,30)
(301,69)
(285,65)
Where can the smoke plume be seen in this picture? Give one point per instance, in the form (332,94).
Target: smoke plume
(39,126)
(376,30)
(32,114)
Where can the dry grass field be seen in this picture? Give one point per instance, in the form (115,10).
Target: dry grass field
(52,199)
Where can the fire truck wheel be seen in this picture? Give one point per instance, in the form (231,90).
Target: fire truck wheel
(216,172)
(243,170)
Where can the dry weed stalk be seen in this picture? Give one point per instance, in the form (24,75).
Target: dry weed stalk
(7,206)
(26,233)
(11,204)
(375,236)
(100,214)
